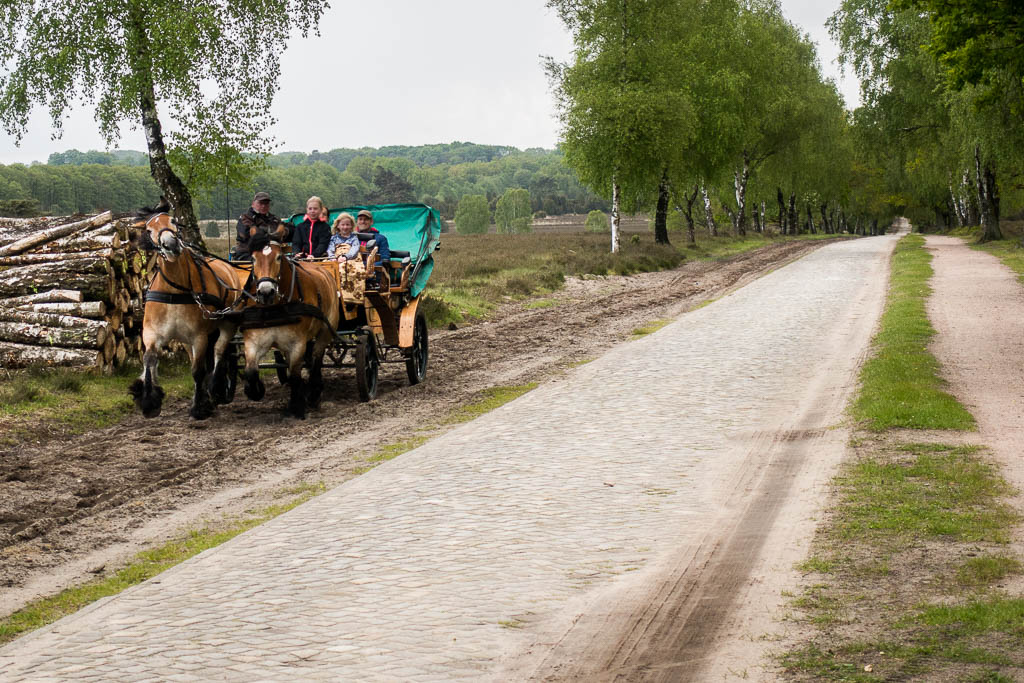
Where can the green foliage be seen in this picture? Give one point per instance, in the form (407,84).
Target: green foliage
(19,208)
(340,177)
(976,41)
(212,230)
(473,215)
(623,118)
(512,213)
(597,221)
(926,128)
(210,67)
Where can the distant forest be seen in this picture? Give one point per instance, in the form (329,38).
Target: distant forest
(438,175)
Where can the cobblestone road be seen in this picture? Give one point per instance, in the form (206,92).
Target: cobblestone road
(449,559)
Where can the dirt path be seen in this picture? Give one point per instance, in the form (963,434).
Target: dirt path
(977,309)
(71,508)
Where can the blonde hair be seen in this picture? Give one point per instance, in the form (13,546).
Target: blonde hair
(319,201)
(335,227)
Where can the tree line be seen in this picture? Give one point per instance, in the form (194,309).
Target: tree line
(673,105)
(942,124)
(438,175)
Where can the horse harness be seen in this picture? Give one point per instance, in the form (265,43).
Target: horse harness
(187,294)
(287,313)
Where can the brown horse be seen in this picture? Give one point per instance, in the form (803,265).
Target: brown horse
(296,312)
(182,299)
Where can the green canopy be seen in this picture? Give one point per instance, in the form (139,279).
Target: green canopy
(415,228)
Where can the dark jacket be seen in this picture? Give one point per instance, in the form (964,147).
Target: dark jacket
(312,241)
(267,222)
(381,242)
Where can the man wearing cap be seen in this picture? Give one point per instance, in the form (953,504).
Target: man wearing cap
(258,216)
(364,224)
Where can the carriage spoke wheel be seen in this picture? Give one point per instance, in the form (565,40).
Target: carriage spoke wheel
(416,364)
(367,367)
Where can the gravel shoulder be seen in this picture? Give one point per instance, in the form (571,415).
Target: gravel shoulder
(73,508)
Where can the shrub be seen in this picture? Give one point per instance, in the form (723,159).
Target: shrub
(597,221)
(212,230)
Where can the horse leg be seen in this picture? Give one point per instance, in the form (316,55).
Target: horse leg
(147,394)
(202,404)
(219,383)
(316,366)
(254,387)
(296,385)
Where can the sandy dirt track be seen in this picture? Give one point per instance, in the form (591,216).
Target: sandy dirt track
(72,507)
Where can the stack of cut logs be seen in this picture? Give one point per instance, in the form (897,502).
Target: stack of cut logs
(70,292)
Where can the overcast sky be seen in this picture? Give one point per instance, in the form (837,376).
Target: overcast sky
(407,72)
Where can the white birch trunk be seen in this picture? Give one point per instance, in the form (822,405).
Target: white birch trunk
(740,179)
(709,215)
(616,201)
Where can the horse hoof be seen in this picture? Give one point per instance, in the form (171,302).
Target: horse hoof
(297,410)
(255,390)
(150,404)
(137,388)
(202,411)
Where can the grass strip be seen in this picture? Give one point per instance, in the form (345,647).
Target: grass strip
(650,328)
(907,569)
(145,566)
(75,401)
(492,398)
(900,386)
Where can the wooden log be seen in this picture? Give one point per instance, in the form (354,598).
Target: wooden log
(84,242)
(40,335)
(27,356)
(48,257)
(109,349)
(85,309)
(91,276)
(11,315)
(115,318)
(51,295)
(51,234)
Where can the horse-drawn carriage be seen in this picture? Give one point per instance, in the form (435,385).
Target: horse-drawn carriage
(307,311)
(379,319)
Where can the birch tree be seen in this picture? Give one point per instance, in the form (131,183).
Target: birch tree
(197,77)
(623,118)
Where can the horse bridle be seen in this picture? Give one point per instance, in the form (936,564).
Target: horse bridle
(201,297)
(275,281)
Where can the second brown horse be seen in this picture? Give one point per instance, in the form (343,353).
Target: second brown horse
(296,313)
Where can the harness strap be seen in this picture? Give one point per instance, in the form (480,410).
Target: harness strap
(202,298)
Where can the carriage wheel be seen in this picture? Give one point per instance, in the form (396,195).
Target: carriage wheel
(367,367)
(282,368)
(416,365)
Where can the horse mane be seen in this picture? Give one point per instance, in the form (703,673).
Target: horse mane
(258,241)
(146,211)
